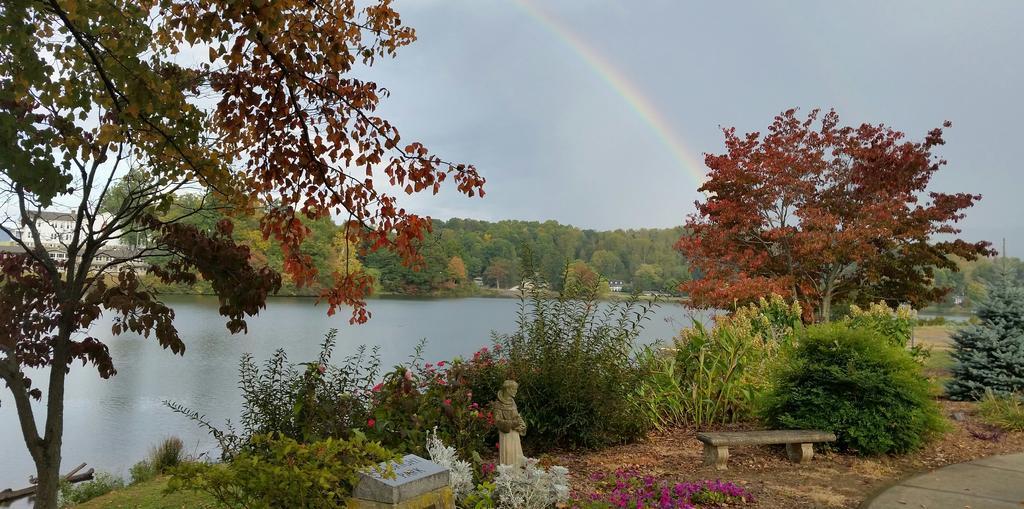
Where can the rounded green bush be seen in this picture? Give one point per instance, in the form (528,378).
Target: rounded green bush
(858,385)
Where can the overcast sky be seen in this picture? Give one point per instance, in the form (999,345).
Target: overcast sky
(520,90)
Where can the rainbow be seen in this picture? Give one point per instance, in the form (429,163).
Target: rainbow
(625,89)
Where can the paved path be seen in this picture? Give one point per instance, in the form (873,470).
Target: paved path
(996,482)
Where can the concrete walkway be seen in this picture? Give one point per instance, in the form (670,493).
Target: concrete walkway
(996,482)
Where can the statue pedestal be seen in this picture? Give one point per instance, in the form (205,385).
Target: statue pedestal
(418,484)
(441,498)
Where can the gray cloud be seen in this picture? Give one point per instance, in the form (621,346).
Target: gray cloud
(488,84)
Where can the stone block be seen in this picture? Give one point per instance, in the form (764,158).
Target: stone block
(438,499)
(414,477)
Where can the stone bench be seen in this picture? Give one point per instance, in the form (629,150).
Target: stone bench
(799,443)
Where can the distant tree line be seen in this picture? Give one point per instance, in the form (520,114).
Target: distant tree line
(969,284)
(459,251)
(642,259)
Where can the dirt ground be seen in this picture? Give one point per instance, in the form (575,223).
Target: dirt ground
(830,480)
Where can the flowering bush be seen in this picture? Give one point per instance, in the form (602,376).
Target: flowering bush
(417,398)
(895,325)
(627,488)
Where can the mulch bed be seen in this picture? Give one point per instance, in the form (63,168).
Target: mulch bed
(830,480)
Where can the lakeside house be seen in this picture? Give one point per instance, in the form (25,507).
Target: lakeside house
(57,229)
(616,285)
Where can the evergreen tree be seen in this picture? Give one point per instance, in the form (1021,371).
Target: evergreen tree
(990,354)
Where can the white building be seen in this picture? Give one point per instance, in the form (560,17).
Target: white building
(56,229)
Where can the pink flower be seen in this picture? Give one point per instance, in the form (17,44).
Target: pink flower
(448,402)
(408,375)
(376,388)
(321,368)
(370,422)
(440,364)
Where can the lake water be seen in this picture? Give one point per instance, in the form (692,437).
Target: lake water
(111,424)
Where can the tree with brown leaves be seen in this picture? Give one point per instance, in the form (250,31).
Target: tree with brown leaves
(823,214)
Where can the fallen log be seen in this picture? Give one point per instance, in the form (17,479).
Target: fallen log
(73,476)
(32,479)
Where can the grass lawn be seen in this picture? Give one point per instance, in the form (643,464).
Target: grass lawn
(939,341)
(148,495)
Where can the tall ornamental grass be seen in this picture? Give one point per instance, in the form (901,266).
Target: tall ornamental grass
(716,375)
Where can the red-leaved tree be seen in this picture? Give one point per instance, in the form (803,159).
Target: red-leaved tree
(111,109)
(824,214)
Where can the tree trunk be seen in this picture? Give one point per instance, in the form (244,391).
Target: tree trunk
(826,308)
(48,474)
(49,456)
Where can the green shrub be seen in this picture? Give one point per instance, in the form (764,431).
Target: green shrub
(722,372)
(306,402)
(573,360)
(283,473)
(141,472)
(858,385)
(1005,411)
(101,484)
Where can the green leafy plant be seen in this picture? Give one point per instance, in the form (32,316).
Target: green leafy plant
(1005,411)
(857,384)
(279,472)
(660,395)
(101,484)
(141,472)
(305,402)
(573,359)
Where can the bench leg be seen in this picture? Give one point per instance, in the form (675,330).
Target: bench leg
(800,453)
(716,455)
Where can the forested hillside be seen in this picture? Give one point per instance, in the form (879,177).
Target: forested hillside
(643,258)
(460,250)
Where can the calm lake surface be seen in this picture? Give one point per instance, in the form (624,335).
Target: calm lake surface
(111,424)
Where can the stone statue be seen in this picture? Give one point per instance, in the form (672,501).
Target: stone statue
(510,425)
